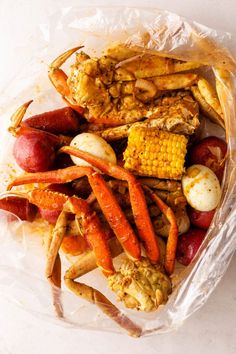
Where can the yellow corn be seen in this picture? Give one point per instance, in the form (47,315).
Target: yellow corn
(156,153)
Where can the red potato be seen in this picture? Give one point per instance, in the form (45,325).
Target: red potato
(201,219)
(56,140)
(52,215)
(19,207)
(34,152)
(59,121)
(188,245)
(210,152)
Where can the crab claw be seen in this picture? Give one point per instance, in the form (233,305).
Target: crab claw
(59,78)
(17,117)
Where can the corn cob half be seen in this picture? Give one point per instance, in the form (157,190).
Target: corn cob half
(156,153)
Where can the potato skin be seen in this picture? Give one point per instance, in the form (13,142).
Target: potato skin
(34,152)
(210,152)
(200,219)
(188,245)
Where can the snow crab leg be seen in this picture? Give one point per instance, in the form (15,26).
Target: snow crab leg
(93,230)
(137,198)
(173,234)
(110,207)
(55,279)
(139,206)
(84,265)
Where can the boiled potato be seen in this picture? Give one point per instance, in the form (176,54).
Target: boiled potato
(201,188)
(94,145)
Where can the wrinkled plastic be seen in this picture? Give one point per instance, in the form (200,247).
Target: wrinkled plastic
(22,258)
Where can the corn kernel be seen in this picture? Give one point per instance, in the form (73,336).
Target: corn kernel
(155,153)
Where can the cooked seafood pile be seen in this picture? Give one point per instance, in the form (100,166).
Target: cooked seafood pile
(124,86)
(115,174)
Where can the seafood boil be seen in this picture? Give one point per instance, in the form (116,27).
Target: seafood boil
(120,170)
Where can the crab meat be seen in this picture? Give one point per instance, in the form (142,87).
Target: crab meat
(140,285)
(177,114)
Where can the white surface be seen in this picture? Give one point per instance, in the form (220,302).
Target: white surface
(212,329)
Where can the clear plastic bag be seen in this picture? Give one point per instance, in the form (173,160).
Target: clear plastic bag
(23,258)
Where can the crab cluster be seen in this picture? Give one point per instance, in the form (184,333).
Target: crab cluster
(109,97)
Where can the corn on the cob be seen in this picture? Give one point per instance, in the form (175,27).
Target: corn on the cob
(156,153)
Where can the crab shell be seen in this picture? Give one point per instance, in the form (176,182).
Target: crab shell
(123,86)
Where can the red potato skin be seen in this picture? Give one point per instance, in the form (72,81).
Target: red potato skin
(60,121)
(201,154)
(20,207)
(200,219)
(52,215)
(34,152)
(56,140)
(188,245)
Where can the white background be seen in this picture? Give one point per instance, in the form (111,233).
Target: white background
(212,329)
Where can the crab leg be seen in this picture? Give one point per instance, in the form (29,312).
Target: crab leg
(175,81)
(155,65)
(88,220)
(108,203)
(57,237)
(94,232)
(137,198)
(208,101)
(95,235)
(56,295)
(57,176)
(115,216)
(56,280)
(59,79)
(85,264)
(56,273)
(173,234)
(210,96)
